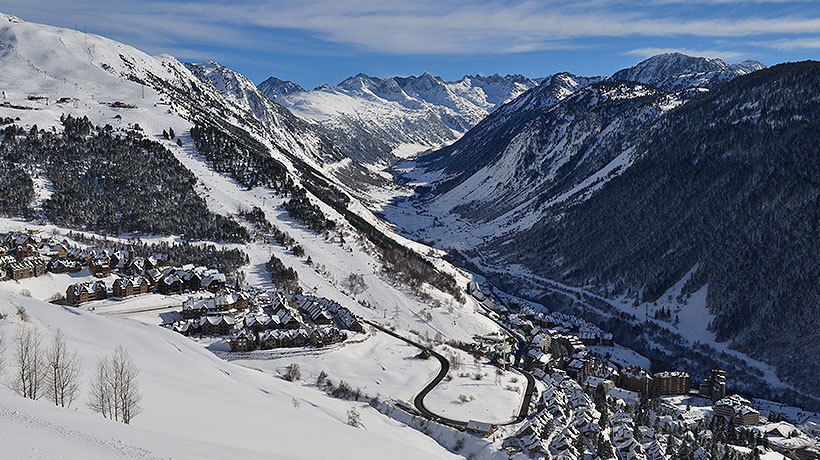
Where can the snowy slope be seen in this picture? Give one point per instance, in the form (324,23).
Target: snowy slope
(95,71)
(194,404)
(380,117)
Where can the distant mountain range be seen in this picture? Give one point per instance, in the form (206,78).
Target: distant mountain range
(380,120)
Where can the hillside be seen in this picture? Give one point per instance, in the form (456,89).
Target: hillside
(194,405)
(726,185)
(652,196)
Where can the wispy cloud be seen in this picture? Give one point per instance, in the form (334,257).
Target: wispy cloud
(810,43)
(418,26)
(722,54)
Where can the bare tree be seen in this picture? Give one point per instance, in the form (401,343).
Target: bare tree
(100,398)
(126,389)
(63,372)
(114,388)
(29,356)
(2,352)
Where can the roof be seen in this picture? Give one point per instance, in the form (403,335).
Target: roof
(479,426)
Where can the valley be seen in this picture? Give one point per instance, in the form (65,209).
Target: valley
(493,267)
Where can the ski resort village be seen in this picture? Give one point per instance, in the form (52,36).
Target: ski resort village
(489,267)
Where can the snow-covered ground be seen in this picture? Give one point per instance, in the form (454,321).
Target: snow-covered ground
(195,405)
(476,390)
(381,365)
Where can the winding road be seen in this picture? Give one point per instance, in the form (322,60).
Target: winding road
(418,401)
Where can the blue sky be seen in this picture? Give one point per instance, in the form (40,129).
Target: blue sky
(313,42)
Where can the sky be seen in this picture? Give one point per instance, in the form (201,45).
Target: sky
(313,42)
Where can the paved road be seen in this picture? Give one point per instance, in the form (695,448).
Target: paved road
(418,401)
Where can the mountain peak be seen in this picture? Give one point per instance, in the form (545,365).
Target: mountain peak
(275,88)
(675,71)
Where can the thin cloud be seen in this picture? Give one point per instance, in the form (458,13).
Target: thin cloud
(790,44)
(725,55)
(420,27)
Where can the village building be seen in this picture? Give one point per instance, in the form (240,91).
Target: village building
(672,383)
(737,408)
(170,284)
(21,270)
(100,265)
(593,384)
(213,281)
(243,340)
(480,428)
(216,325)
(234,300)
(714,386)
(126,287)
(80,293)
(64,266)
(635,378)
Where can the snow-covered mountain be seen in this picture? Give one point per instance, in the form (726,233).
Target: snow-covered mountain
(529,196)
(275,88)
(380,119)
(675,71)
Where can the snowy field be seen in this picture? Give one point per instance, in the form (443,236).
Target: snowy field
(195,405)
(381,365)
(476,391)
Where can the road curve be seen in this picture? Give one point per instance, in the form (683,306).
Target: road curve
(418,401)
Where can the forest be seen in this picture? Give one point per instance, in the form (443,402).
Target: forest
(109,181)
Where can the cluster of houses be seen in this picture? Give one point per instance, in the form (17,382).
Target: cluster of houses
(558,346)
(267,320)
(26,255)
(31,254)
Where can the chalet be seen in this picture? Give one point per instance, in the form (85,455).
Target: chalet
(191,280)
(213,282)
(77,294)
(672,383)
(25,250)
(635,378)
(592,384)
(271,339)
(170,284)
(259,323)
(216,325)
(243,340)
(234,300)
(4,274)
(315,312)
(21,270)
(120,258)
(126,287)
(135,266)
(288,319)
(64,266)
(4,250)
(299,337)
(345,320)
(194,308)
(100,265)
(607,339)
(539,359)
(6,260)
(326,336)
(738,409)
(187,327)
(51,250)
(480,428)
(154,276)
